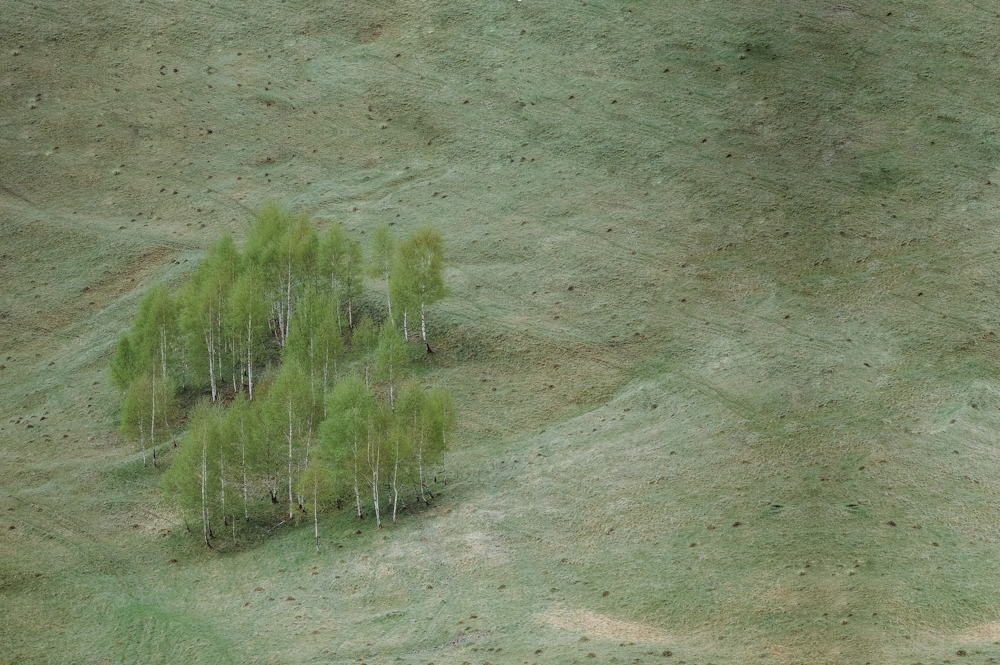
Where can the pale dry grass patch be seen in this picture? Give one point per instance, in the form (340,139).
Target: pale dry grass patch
(603,627)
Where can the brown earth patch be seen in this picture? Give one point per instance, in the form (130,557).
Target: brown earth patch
(604,627)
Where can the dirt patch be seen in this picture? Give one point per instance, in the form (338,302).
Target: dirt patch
(604,627)
(985,632)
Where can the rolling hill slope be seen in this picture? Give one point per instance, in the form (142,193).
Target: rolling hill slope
(722,331)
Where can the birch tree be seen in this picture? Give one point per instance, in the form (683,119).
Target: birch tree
(193,480)
(364,341)
(247,318)
(414,424)
(242,430)
(286,415)
(416,277)
(203,303)
(390,359)
(315,343)
(380,264)
(340,264)
(319,484)
(147,408)
(124,367)
(344,435)
(155,330)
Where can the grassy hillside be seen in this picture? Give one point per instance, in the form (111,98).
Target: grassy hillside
(723,328)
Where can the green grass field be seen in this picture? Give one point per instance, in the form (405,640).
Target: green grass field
(712,263)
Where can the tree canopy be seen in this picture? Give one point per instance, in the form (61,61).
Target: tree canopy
(300,387)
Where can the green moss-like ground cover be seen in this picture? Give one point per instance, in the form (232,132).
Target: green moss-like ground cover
(778,221)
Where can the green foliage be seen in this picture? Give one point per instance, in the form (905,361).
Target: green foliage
(340,263)
(124,367)
(147,408)
(416,279)
(194,480)
(155,331)
(267,326)
(391,359)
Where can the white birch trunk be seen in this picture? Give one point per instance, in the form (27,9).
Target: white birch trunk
(357,493)
(250,354)
(423,324)
(243,442)
(291,512)
(152,426)
(316,510)
(395,487)
(374,459)
(204,490)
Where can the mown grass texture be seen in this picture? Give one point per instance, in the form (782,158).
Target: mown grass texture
(778,223)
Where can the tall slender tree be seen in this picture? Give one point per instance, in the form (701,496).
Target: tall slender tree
(193,479)
(344,435)
(382,256)
(147,409)
(247,318)
(286,415)
(417,273)
(125,366)
(390,359)
(203,301)
(340,262)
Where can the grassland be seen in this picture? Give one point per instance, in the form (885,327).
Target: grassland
(711,263)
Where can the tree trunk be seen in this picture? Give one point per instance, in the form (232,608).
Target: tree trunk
(204,491)
(374,459)
(316,510)
(250,355)
(243,442)
(423,325)
(291,511)
(395,487)
(357,494)
(210,346)
(152,427)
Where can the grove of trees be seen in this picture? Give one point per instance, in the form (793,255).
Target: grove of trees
(295,395)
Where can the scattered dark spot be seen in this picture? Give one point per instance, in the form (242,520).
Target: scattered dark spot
(935,544)
(867,365)
(605,594)
(667,654)
(891,523)
(737,523)
(788,316)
